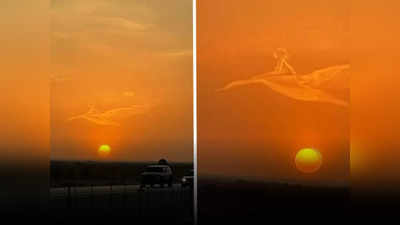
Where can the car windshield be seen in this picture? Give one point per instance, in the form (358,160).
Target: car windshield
(154,169)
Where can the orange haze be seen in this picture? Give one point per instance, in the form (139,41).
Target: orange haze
(253,131)
(122,76)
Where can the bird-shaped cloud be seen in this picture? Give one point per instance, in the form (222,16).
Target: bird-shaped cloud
(111,117)
(59,78)
(313,87)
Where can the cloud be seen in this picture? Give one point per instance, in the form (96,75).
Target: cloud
(123,26)
(59,78)
(121,23)
(129,93)
(288,85)
(111,117)
(312,87)
(178,53)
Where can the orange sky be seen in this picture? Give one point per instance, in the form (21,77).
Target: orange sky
(87,41)
(375,90)
(133,58)
(252,131)
(24,62)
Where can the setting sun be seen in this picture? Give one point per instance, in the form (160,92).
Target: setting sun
(308,160)
(104,150)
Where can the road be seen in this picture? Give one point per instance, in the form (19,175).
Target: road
(82,192)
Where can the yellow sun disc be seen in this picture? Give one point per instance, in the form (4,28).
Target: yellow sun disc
(308,160)
(104,150)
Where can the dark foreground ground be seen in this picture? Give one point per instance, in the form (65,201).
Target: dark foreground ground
(259,203)
(219,202)
(84,192)
(124,205)
(223,201)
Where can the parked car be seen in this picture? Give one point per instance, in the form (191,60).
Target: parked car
(187,179)
(157,174)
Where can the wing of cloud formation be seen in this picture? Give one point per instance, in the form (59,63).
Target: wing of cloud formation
(317,86)
(112,117)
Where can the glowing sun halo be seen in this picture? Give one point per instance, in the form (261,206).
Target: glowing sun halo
(308,160)
(104,150)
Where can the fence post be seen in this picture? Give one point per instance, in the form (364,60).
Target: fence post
(110,197)
(139,204)
(124,196)
(91,196)
(74,198)
(69,197)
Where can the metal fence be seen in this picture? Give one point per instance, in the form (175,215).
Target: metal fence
(156,201)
